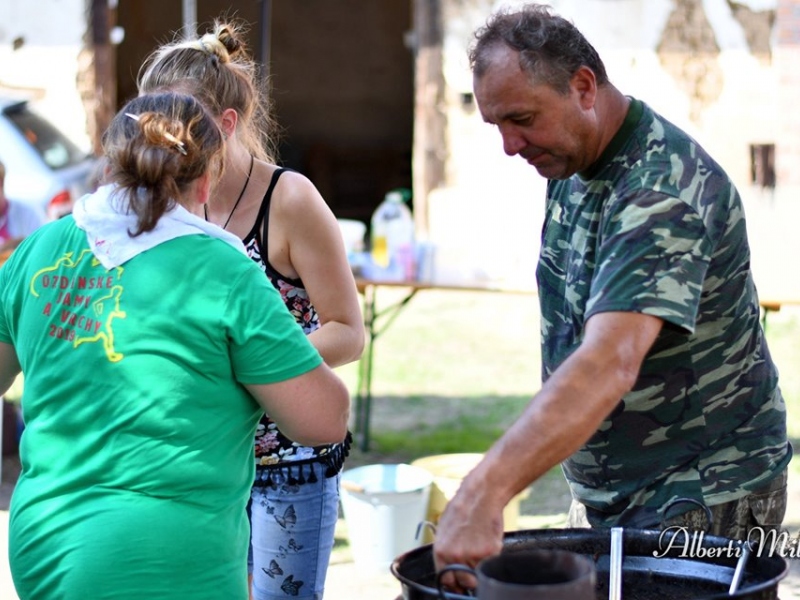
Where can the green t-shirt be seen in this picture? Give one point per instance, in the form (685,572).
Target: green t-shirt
(655,226)
(137,455)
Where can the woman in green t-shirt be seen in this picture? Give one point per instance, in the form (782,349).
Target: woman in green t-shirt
(150,345)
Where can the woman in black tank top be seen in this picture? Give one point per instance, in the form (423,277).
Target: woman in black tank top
(290,231)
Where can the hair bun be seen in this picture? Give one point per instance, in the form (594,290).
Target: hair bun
(228,36)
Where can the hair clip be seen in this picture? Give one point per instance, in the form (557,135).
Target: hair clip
(179,145)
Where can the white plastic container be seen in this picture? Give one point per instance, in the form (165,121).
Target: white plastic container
(383,506)
(353,233)
(392,239)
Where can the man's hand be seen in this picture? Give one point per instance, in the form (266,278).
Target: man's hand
(467,532)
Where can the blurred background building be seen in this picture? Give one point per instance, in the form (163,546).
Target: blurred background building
(377,95)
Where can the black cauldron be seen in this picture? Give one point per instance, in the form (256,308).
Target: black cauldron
(670,564)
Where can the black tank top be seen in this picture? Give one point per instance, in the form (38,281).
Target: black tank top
(273,450)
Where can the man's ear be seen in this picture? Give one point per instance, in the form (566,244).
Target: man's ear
(228,122)
(584,83)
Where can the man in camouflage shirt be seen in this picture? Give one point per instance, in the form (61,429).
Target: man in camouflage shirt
(658,383)
(655,227)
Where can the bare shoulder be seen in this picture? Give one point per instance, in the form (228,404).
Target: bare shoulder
(297,203)
(294,191)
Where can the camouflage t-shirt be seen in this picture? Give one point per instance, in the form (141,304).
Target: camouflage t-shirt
(655,226)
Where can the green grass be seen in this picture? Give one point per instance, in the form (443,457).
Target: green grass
(470,428)
(456,344)
(783,335)
(455,368)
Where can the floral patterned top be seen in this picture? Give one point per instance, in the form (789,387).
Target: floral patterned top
(273,450)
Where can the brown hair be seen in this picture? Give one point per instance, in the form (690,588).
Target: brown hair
(155,147)
(551,49)
(218,69)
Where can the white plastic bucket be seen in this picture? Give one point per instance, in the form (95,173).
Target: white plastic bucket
(383,506)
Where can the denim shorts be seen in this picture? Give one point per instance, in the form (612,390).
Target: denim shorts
(292,534)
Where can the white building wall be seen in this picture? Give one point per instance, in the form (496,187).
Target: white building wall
(490,212)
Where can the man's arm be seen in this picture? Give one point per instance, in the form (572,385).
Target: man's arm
(557,422)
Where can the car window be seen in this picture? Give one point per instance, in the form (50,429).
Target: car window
(56,150)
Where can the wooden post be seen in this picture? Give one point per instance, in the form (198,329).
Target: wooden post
(97,78)
(265,38)
(429,147)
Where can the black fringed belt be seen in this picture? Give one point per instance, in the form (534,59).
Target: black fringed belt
(303,471)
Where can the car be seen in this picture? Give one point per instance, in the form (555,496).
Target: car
(44,167)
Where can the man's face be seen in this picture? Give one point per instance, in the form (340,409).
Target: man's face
(553,132)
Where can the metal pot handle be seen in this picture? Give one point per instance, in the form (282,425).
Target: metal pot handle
(425,524)
(447,569)
(709,515)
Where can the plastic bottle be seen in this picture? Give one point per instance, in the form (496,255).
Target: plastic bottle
(392,238)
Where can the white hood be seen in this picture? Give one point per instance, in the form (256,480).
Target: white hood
(106,222)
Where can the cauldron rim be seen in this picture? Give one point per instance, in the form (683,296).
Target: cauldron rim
(776,566)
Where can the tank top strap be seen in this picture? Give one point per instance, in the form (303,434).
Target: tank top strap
(261,225)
